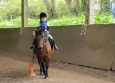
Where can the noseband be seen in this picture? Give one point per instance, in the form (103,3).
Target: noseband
(42,43)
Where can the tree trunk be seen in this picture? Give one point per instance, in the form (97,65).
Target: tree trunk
(69,7)
(77,3)
(48,7)
(10,17)
(83,5)
(53,10)
(77,7)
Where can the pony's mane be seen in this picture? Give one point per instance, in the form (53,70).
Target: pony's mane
(39,31)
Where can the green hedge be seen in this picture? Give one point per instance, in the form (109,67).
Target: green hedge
(63,21)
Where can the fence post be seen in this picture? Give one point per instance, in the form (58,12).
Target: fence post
(24,13)
(89,12)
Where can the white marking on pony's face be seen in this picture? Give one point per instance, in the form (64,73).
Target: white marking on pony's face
(40,45)
(41,40)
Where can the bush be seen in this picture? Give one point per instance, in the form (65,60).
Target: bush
(63,21)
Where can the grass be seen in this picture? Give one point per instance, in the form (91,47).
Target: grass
(63,21)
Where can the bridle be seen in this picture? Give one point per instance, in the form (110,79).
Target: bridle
(42,43)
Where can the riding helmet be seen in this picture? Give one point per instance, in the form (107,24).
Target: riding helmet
(43,15)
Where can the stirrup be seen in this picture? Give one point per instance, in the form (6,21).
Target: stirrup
(32,47)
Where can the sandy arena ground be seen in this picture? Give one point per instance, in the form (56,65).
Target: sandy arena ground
(15,70)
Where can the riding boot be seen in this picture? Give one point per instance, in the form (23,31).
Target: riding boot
(54,45)
(33,45)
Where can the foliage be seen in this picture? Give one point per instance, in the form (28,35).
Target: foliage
(10,12)
(103,19)
(63,21)
(61,8)
(35,7)
(16,23)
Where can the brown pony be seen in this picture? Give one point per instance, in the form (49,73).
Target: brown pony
(42,50)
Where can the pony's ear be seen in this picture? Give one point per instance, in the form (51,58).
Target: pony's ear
(34,29)
(43,29)
(40,29)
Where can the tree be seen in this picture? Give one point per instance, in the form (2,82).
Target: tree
(48,7)
(69,7)
(83,6)
(10,9)
(105,6)
(77,3)
(53,9)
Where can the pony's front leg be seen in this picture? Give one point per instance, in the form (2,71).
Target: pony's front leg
(47,66)
(40,64)
(43,67)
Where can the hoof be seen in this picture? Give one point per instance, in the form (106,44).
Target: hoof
(41,73)
(46,77)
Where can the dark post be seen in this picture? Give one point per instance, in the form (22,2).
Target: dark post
(89,12)
(24,13)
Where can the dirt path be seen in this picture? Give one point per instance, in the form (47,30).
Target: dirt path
(15,70)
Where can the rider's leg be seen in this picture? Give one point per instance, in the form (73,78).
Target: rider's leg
(33,45)
(54,44)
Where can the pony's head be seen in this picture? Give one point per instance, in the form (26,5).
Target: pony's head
(39,37)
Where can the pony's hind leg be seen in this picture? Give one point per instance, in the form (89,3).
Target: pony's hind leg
(40,64)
